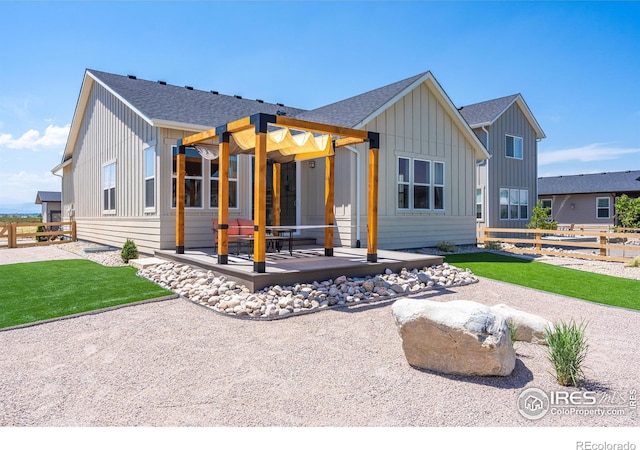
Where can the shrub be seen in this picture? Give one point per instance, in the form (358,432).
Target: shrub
(628,211)
(567,350)
(129,251)
(635,262)
(41,229)
(541,218)
(447,247)
(493,245)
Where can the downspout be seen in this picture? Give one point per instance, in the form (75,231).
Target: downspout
(487,190)
(355,150)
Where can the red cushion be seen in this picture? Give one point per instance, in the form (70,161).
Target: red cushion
(246,227)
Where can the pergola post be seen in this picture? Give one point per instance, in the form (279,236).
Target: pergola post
(180,176)
(260,197)
(223,199)
(372,214)
(329,202)
(277,210)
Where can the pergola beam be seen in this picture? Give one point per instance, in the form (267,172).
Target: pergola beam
(320,127)
(200,137)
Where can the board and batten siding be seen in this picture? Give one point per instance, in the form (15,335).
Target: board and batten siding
(503,172)
(111,132)
(419,126)
(416,126)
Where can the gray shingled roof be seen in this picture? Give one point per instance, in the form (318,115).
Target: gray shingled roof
(486,112)
(617,182)
(179,104)
(48,196)
(352,111)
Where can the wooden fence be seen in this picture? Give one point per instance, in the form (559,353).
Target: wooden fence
(13,235)
(609,245)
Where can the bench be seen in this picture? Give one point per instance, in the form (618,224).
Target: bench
(240,232)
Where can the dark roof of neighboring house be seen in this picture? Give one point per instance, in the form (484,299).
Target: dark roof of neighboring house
(486,112)
(48,196)
(180,104)
(352,111)
(607,182)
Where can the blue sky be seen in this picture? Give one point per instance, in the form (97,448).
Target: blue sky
(577,64)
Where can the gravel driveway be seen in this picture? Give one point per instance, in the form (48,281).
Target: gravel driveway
(174,363)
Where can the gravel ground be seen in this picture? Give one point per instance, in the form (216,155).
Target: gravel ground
(174,363)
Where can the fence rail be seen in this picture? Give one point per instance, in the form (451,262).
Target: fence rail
(13,235)
(609,245)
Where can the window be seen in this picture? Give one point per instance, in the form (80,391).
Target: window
(150,178)
(602,207)
(192,181)
(109,187)
(479,205)
(403,183)
(421,178)
(514,204)
(545,203)
(524,204)
(504,204)
(233,182)
(513,147)
(438,185)
(420,184)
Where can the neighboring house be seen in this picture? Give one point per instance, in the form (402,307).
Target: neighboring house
(51,205)
(118,166)
(506,190)
(587,199)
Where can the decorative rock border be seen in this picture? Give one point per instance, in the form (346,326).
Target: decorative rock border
(275,302)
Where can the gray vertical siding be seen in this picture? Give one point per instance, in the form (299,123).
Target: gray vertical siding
(506,172)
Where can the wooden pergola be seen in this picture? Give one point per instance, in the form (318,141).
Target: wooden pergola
(221,137)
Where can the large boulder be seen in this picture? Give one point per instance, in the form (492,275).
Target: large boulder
(529,327)
(457,337)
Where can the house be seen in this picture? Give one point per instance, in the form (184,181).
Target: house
(587,199)
(506,189)
(51,205)
(119,178)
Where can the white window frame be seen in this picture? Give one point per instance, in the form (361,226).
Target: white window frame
(174,176)
(149,152)
(406,183)
(231,179)
(431,185)
(542,202)
(512,193)
(109,182)
(515,153)
(480,196)
(438,185)
(598,207)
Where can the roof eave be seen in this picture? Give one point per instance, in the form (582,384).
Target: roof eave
(161,123)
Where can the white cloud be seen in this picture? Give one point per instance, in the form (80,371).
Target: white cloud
(588,153)
(21,187)
(54,136)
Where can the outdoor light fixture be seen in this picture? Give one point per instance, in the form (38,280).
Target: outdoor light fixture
(572,206)
(312,164)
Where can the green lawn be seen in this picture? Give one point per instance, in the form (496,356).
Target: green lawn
(597,288)
(30,292)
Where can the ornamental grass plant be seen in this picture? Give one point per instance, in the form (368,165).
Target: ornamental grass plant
(567,350)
